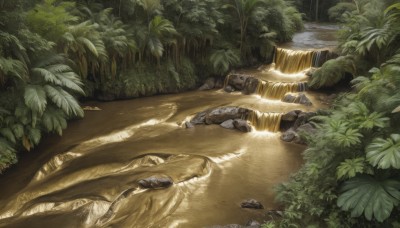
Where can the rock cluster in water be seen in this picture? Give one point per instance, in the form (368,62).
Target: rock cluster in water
(248,84)
(297,122)
(227,117)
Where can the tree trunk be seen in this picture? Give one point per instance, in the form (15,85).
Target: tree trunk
(316,10)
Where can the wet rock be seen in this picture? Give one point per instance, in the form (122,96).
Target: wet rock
(290,116)
(289,135)
(208,84)
(299,99)
(303,99)
(237,81)
(253,224)
(307,129)
(242,125)
(250,85)
(228,124)
(222,114)
(229,89)
(156,182)
(199,118)
(289,98)
(252,203)
(188,124)
(303,118)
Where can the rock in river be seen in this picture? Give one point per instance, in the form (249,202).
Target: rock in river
(222,114)
(228,124)
(156,182)
(252,203)
(242,125)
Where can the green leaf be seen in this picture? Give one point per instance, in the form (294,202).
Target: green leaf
(385,153)
(8,134)
(369,196)
(64,100)
(35,98)
(350,167)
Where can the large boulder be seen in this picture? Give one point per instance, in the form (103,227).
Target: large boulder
(250,85)
(156,182)
(222,114)
(251,203)
(237,81)
(242,125)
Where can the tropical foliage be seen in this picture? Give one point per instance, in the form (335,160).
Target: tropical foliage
(54,52)
(351,173)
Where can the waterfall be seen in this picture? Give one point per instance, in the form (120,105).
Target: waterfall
(265,121)
(317,59)
(292,61)
(277,90)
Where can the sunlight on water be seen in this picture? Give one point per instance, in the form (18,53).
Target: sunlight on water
(263,134)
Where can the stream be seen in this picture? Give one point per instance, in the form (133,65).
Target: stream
(89,176)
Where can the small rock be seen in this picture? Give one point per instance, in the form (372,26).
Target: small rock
(289,98)
(253,224)
(229,89)
(252,203)
(199,118)
(188,124)
(228,124)
(299,99)
(156,182)
(290,116)
(208,84)
(288,136)
(242,125)
(303,99)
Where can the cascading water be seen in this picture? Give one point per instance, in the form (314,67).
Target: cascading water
(265,121)
(277,90)
(90,177)
(292,61)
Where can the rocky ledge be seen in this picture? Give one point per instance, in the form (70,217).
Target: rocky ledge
(292,124)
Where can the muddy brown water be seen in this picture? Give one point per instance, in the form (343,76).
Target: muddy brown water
(89,176)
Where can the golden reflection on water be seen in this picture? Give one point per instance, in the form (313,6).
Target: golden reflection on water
(89,178)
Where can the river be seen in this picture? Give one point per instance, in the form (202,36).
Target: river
(89,176)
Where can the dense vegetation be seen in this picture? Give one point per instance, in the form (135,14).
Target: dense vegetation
(54,52)
(351,175)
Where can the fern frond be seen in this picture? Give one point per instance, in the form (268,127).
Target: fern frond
(35,98)
(64,100)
